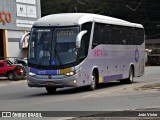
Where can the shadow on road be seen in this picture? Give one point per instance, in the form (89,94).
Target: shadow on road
(68,91)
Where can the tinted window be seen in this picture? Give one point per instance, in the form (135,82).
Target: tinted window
(124,35)
(118,35)
(85,40)
(140,34)
(107,34)
(133,36)
(98,34)
(133,40)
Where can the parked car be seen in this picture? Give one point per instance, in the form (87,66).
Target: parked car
(21,61)
(147,53)
(154,57)
(10,70)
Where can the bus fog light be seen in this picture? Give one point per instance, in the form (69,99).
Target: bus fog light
(74,81)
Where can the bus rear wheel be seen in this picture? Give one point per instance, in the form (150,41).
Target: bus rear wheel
(131,76)
(51,90)
(129,80)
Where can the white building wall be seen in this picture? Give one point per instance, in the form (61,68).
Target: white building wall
(13,44)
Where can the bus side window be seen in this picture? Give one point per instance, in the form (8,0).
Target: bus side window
(124,35)
(95,37)
(116,35)
(84,48)
(85,39)
(128,32)
(140,34)
(98,35)
(134,37)
(107,34)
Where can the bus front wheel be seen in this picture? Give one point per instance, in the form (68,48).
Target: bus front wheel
(92,85)
(51,90)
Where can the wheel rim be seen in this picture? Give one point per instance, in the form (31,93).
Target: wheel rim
(131,76)
(10,76)
(93,84)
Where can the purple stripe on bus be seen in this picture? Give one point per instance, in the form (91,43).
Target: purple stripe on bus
(44,72)
(112,77)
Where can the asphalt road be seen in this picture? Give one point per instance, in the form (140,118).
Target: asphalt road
(143,93)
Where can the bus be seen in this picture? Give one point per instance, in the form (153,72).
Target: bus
(83,50)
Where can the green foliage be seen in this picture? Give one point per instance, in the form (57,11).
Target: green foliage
(145,12)
(71,6)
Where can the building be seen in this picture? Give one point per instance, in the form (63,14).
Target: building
(16,18)
(152,43)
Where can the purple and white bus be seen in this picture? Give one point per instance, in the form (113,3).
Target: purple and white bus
(83,50)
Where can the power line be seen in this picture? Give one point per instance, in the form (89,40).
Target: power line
(134,9)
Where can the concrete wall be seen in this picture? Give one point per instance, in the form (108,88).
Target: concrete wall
(18,9)
(13,44)
(24,13)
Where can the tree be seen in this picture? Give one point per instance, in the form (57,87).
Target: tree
(145,12)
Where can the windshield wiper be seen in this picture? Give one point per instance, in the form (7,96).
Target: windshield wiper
(56,53)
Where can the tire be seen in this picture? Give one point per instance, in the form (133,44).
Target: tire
(93,84)
(51,90)
(23,74)
(131,76)
(10,76)
(129,80)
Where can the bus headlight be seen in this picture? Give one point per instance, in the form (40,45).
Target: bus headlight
(32,74)
(73,72)
(70,73)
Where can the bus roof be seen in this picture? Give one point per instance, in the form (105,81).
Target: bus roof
(70,19)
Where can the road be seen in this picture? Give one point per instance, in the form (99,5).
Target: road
(143,93)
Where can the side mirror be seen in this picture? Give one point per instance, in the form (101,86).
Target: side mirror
(22,39)
(79,37)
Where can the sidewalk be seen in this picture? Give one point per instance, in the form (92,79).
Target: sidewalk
(4,79)
(135,114)
(138,114)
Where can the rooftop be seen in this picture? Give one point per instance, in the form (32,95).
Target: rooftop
(66,19)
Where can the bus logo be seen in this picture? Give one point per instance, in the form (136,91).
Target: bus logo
(136,55)
(98,53)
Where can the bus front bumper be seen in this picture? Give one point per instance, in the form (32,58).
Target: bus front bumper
(58,81)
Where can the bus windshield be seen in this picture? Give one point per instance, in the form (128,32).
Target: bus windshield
(53,46)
